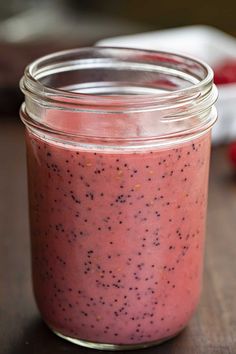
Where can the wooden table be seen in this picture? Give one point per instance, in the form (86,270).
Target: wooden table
(213,328)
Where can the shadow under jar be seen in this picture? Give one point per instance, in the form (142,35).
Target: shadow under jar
(118,145)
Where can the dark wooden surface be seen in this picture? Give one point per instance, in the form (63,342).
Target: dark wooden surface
(213,328)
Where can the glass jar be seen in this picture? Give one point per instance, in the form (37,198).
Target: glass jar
(118,144)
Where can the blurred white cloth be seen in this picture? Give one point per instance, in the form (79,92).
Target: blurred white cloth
(205,43)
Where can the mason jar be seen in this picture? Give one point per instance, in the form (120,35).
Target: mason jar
(118,146)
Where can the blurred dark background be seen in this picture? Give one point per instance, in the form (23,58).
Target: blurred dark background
(163,14)
(31,28)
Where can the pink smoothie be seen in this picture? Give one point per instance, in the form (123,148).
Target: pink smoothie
(117,238)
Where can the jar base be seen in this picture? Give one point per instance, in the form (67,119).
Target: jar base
(113,347)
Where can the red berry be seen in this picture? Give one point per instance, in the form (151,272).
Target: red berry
(232,153)
(225,73)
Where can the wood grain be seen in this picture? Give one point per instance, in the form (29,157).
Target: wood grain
(213,328)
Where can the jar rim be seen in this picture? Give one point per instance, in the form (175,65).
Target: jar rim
(202,90)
